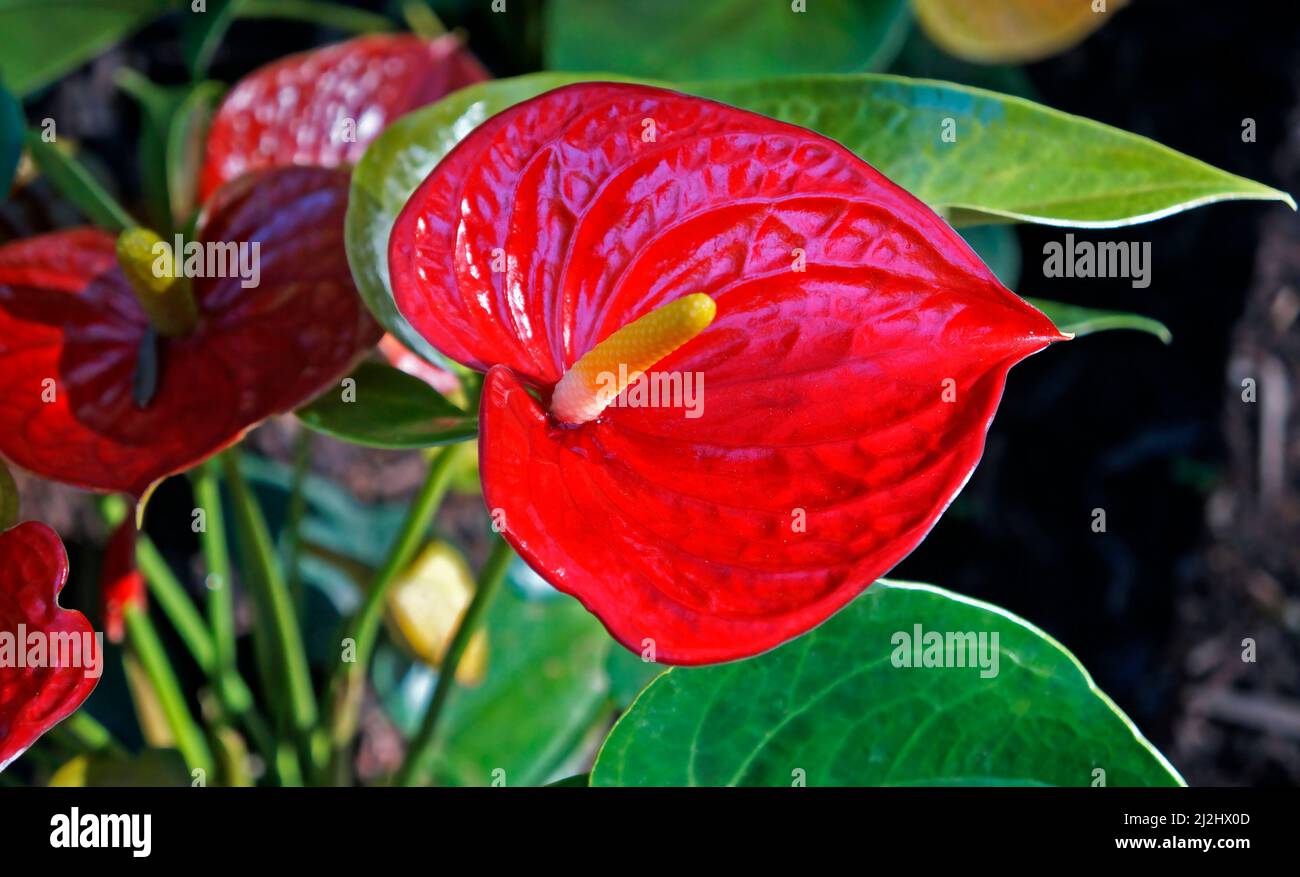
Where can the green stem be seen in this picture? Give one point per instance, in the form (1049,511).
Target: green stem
(216,560)
(293,523)
(421,747)
(86,733)
(179,609)
(364,627)
(269,582)
(143,640)
(77,184)
(175,603)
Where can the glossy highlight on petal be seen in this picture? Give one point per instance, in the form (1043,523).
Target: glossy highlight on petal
(324,107)
(50,658)
(826,417)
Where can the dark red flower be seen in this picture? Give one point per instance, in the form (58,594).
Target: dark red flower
(50,659)
(325,106)
(121,584)
(71,334)
(857,357)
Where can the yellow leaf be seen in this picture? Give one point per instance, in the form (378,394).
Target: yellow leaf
(425,606)
(1010,31)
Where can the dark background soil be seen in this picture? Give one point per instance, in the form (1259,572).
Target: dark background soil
(1201,490)
(1199,553)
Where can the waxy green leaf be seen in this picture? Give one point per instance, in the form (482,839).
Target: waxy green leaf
(1010,159)
(848,704)
(44,39)
(382,407)
(724,39)
(544,690)
(1079,321)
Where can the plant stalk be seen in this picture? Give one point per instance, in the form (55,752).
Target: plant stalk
(421,746)
(273,597)
(363,630)
(142,637)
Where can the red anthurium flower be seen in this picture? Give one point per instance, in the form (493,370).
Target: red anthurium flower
(323,107)
(72,333)
(50,659)
(821,421)
(121,584)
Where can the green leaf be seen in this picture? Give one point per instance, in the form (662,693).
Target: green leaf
(1012,159)
(11,138)
(838,707)
(577,781)
(1078,321)
(158,104)
(202,32)
(187,132)
(75,183)
(171,143)
(629,674)
(44,39)
(999,247)
(723,39)
(337,16)
(544,690)
(382,407)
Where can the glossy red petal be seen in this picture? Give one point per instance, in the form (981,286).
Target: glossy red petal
(121,584)
(70,331)
(59,654)
(324,107)
(858,355)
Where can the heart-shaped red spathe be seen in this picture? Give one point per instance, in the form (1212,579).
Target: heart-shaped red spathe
(324,107)
(858,355)
(60,656)
(70,333)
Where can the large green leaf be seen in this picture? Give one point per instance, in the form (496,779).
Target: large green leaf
(545,688)
(40,40)
(1012,159)
(837,707)
(383,407)
(723,39)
